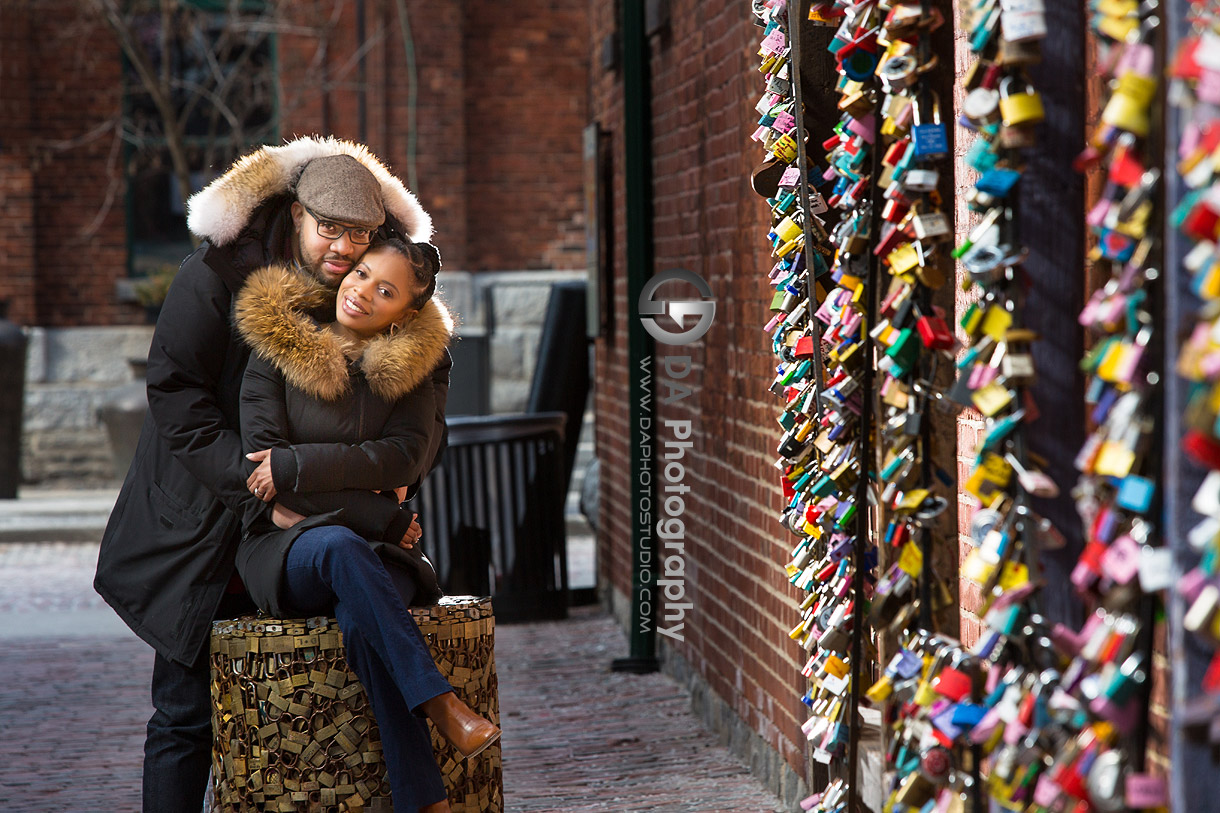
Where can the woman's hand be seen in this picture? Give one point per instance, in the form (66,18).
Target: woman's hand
(285,518)
(260,482)
(413,534)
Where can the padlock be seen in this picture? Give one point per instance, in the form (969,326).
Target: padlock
(983,24)
(933,226)
(787,229)
(1019,109)
(785,149)
(997,182)
(858,103)
(929,140)
(1125,111)
(906,19)
(859,64)
(1023,20)
(981,106)
(1018,138)
(1017,369)
(934,332)
(1013,53)
(920,180)
(898,72)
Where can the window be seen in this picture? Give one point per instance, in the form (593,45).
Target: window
(214,64)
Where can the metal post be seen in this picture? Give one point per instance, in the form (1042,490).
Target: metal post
(637,171)
(1191,760)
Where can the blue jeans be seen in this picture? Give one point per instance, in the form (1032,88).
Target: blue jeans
(178,745)
(333,570)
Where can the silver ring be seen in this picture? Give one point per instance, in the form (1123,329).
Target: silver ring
(256,493)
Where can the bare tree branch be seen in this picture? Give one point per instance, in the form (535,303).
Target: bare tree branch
(159,91)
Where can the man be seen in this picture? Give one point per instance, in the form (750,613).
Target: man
(167,557)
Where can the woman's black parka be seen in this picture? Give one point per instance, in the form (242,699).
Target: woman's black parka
(338,428)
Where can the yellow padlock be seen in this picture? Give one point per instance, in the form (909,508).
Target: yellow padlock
(785,148)
(1124,112)
(787,229)
(1020,109)
(1129,107)
(880,691)
(1139,87)
(903,259)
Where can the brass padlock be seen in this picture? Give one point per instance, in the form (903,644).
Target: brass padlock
(1012,53)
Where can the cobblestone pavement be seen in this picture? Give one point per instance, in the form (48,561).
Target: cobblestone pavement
(577,738)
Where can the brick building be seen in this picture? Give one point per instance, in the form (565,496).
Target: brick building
(736,655)
(500,105)
(490,142)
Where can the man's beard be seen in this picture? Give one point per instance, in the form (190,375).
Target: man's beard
(314,268)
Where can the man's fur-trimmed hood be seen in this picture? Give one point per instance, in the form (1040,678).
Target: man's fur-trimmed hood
(273,317)
(218,212)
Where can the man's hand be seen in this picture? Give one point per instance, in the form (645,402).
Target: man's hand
(260,483)
(413,534)
(285,517)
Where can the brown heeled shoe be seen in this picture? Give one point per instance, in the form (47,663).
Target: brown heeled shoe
(466,731)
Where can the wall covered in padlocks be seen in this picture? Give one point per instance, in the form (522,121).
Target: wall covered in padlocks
(980,239)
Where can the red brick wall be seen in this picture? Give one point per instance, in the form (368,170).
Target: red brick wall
(526,103)
(62,163)
(17,253)
(501,101)
(709,221)
(498,156)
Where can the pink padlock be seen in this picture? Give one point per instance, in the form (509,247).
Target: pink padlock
(1138,57)
(1097,215)
(863,127)
(981,375)
(1208,87)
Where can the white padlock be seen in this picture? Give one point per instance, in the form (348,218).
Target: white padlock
(920,180)
(1023,26)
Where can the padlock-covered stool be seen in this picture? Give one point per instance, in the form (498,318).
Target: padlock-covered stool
(293,730)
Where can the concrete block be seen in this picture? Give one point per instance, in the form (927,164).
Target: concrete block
(519,305)
(509,396)
(95,354)
(508,357)
(36,356)
(459,290)
(54,408)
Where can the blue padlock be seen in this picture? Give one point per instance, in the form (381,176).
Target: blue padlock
(930,140)
(997,181)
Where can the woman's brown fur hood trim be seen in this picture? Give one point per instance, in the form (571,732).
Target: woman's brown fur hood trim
(218,212)
(272,313)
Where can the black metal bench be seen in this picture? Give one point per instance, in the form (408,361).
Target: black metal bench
(493,514)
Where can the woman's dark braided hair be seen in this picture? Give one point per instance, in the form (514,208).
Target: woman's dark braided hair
(425,261)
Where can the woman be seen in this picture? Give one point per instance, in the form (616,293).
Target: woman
(347,410)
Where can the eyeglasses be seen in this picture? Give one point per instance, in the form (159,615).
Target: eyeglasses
(333,231)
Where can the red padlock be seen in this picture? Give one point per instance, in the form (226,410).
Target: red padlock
(952,683)
(894,154)
(934,332)
(1202,448)
(1202,222)
(804,347)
